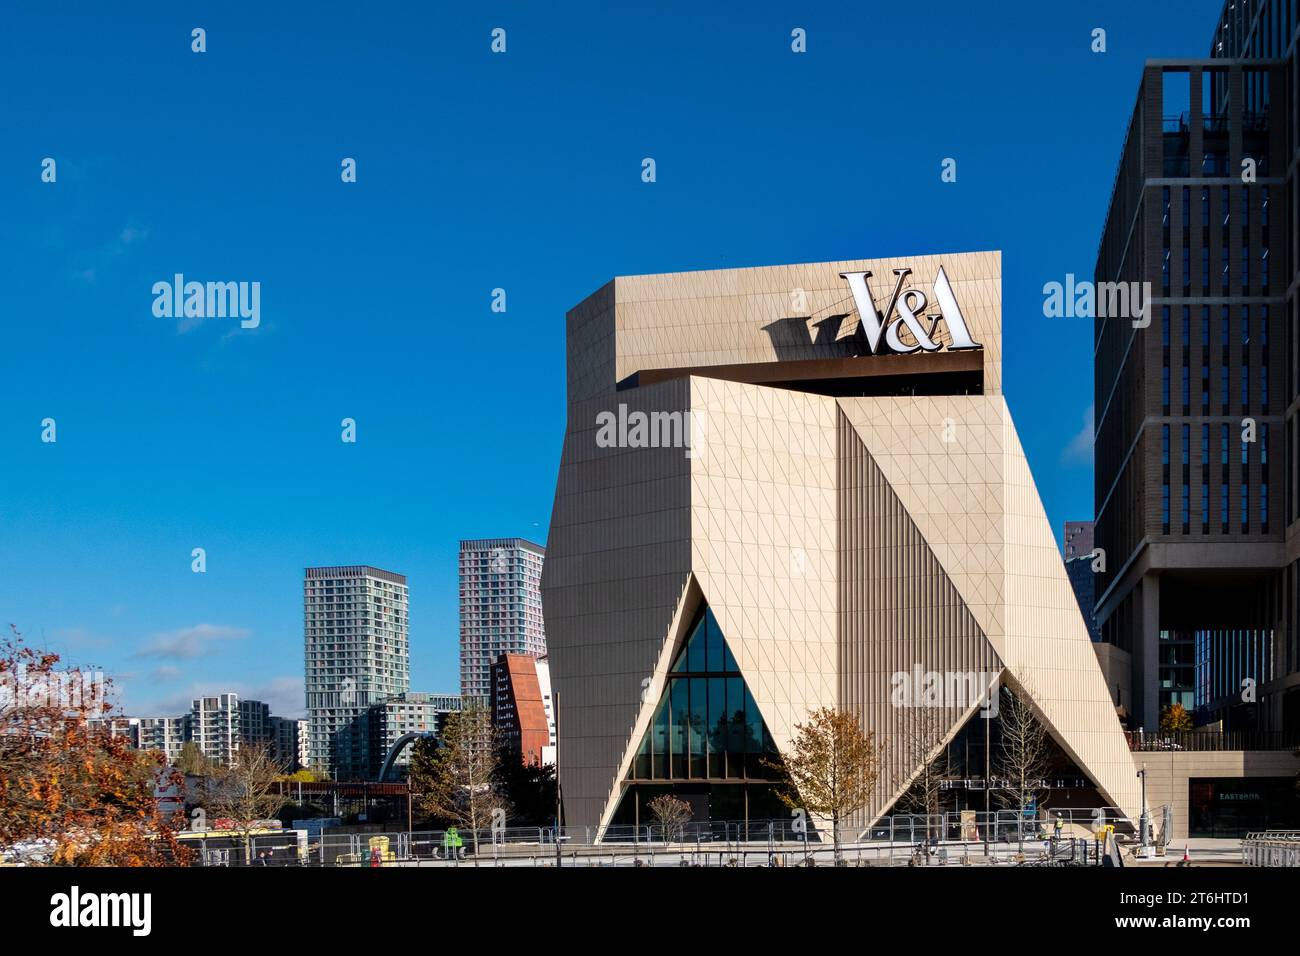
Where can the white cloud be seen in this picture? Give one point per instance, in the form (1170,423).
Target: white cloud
(1079,450)
(101,258)
(285,695)
(187,643)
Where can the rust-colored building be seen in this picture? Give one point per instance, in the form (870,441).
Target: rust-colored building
(521,706)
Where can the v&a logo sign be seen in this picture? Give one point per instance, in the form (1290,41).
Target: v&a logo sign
(906,309)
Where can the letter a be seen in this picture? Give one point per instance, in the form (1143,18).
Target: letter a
(952,316)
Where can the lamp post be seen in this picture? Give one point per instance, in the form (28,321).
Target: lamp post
(559,805)
(1144,823)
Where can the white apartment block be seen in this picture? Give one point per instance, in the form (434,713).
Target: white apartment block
(218,724)
(356,648)
(214,725)
(166,734)
(500,608)
(548,705)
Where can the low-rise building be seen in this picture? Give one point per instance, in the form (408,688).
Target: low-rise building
(384,723)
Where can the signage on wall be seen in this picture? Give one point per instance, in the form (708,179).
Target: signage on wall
(906,309)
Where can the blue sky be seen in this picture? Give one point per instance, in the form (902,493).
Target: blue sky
(475,171)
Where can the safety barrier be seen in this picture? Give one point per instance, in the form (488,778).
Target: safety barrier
(1271,848)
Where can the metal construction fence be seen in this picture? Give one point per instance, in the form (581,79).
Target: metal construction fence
(1271,848)
(744,842)
(994,826)
(276,848)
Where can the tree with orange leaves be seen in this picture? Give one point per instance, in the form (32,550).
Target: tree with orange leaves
(72,790)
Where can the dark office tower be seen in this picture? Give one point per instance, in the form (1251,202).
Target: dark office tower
(1077,552)
(1077,542)
(1196,428)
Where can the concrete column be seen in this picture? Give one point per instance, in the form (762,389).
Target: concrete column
(1146,654)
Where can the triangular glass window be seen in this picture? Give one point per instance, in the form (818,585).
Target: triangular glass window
(706,725)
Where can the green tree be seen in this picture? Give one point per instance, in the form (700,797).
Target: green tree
(455,777)
(192,761)
(305,775)
(830,769)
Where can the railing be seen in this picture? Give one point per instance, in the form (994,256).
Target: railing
(1257,122)
(1271,848)
(994,826)
(992,837)
(1176,740)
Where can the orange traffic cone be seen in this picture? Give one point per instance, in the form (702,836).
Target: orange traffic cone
(1187,853)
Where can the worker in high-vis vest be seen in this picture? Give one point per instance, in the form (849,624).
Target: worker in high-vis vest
(452,841)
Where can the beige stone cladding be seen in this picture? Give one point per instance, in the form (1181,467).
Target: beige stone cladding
(643,536)
(837,540)
(957,466)
(901,622)
(763,541)
(778,313)
(621,533)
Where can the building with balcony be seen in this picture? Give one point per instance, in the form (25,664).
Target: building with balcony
(214,725)
(357,651)
(500,608)
(386,722)
(290,743)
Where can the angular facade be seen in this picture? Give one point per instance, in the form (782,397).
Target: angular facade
(769,503)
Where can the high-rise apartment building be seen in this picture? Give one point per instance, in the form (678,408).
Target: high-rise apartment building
(356,637)
(1196,442)
(1077,553)
(219,725)
(500,608)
